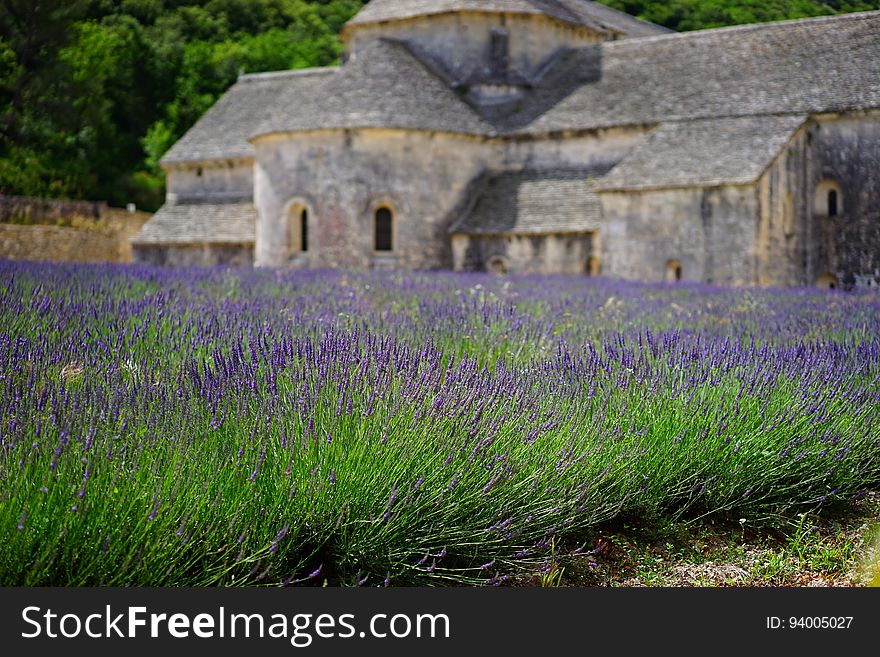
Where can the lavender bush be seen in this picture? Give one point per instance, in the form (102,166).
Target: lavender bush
(212,427)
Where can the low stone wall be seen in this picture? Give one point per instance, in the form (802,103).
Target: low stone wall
(24,210)
(81,238)
(196,255)
(525,254)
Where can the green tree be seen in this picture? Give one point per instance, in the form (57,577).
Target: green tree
(287,34)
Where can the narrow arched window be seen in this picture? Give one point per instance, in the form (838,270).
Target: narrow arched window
(297,229)
(832,203)
(828,200)
(304,230)
(383,229)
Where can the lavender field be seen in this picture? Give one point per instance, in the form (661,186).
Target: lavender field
(210,427)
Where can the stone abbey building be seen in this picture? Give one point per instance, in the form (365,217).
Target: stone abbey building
(549,136)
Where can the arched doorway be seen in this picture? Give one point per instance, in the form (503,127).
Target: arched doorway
(673,271)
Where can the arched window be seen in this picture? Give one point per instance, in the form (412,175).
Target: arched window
(383,229)
(673,271)
(832,203)
(828,201)
(304,230)
(297,229)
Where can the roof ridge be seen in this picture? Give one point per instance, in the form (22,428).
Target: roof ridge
(540,170)
(748,27)
(563,13)
(299,72)
(625,15)
(597,9)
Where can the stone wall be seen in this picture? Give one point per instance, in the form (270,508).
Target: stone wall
(342,177)
(780,232)
(80,239)
(783,227)
(599,149)
(710,233)
(25,210)
(221,179)
(847,152)
(196,255)
(519,254)
(461,40)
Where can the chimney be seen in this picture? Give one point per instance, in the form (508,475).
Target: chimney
(499,53)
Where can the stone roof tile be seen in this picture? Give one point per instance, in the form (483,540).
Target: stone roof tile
(199,223)
(795,67)
(386,86)
(222,133)
(534,202)
(628,26)
(703,153)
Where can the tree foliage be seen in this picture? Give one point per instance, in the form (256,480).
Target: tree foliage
(94,92)
(683,15)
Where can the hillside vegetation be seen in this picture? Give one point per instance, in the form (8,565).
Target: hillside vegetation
(93,92)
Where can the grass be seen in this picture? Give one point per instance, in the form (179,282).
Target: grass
(835,550)
(216,428)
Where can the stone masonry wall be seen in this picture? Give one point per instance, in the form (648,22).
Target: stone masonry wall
(221,179)
(602,148)
(25,210)
(710,232)
(847,152)
(520,254)
(341,178)
(783,229)
(461,41)
(81,239)
(196,255)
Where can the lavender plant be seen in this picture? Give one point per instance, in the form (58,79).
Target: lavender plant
(214,427)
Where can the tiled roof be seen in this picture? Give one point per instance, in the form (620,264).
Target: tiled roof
(386,86)
(534,202)
(703,153)
(628,26)
(197,223)
(222,133)
(794,67)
